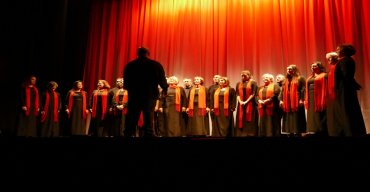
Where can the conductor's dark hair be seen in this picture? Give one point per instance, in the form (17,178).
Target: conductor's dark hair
(347,50)
(142,52)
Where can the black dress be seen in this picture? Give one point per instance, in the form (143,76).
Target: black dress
(27,124)
(294,122)
(316,120)
(77,120)
(50,127)
(344,112)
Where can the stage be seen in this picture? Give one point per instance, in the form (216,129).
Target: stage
(185,162)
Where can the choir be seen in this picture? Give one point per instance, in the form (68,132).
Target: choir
(323,104)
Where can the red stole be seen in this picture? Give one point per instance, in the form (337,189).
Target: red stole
(269,93)
(124,101)
(177,99)
(70,103)
(140,123)
(291,92)
(116,98)
(28,100)
(46,106)
(177,96)
(226,102)
(201,101)
(104,99)
(249,105)
(331,81)
(320,88)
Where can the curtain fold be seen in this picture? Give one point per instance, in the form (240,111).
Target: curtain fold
(203,38)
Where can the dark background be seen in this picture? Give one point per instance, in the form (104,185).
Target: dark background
(46,38)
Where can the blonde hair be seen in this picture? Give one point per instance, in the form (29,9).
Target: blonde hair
(331,54)
(201,79)
(186,79)
(174,78)
(51,84)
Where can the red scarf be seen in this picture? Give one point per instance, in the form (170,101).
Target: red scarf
(331,81)
(269,93)
(320,88)
(249,105)
(140,123)
(124,101)
(116,98)
(28,100)
(104,99)
(226,102)
(201,101)
(46,106)
(291,92)
(177,96)
(70,103)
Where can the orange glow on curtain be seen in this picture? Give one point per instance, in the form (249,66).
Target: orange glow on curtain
(207,37)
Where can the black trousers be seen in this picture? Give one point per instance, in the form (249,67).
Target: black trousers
(134,107)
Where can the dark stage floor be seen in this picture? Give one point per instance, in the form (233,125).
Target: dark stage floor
(185,162)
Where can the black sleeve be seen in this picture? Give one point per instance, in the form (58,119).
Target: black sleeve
(42,100)
(60,105)
(91,100)
(183,97)
(162,78)
(232,98)
(301,88)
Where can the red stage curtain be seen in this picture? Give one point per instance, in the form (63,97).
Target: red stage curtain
(208,37)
